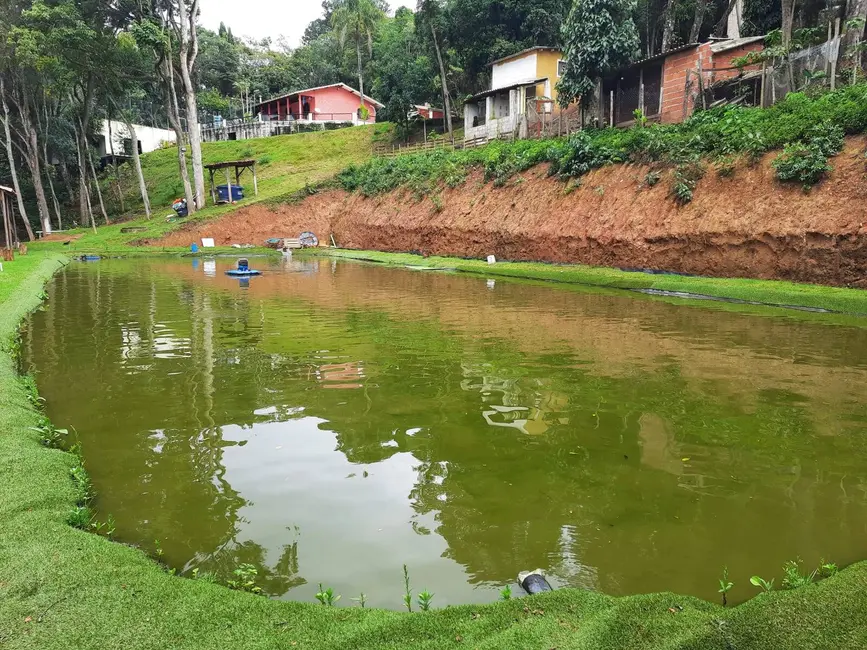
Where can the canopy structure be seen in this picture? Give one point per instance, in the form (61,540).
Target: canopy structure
(240,167)
(6,194)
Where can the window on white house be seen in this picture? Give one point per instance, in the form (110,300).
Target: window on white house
(561,68)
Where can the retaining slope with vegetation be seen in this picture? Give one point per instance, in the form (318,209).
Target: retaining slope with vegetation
(64,588)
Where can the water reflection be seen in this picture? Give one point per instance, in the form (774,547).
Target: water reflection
(333,421)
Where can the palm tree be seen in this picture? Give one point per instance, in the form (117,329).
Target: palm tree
(428,11)
(356,19)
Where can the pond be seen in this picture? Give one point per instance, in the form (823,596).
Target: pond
(329,422)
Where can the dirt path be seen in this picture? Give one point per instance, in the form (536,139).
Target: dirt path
(749,225)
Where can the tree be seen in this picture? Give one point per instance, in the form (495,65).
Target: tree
(600,36)
(403,76)
(429,12)
(188,50)
(357,19)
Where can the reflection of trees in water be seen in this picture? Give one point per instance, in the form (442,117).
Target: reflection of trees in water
(274,581)
(519,468)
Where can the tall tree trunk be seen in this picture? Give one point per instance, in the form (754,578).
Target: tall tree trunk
(360,72)
(137,163)
(55,202)
(98,190)
(30,151)
(698,20)
(173,112)
(114,164)
(788,21)
(85,209)
(188,52)
(668,25)
(446,96)
(11,157)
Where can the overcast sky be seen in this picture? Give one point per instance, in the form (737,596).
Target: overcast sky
(274,18)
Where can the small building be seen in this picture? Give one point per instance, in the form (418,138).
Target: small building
(426,112)
(323,107)
(522,83)
(149,139)
(668,87)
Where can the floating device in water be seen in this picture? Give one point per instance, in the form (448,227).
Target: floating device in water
(243,270)
(533,582)
(90,258)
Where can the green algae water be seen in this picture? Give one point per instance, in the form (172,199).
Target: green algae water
(329,422)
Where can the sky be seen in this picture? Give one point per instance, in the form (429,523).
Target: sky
(262,18)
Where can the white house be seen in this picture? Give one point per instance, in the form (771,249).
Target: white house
(149,138)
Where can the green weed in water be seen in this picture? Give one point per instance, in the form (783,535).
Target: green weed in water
(327,597)
(79,517)
(204,576)
(245,579)
(506,593)
(792,576)
(827,569)
(361,600)
(725,585)
(766,585)
(51,436)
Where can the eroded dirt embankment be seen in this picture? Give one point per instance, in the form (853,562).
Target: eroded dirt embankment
(749,225)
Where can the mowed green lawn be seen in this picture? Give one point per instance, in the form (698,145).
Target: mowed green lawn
(61,588)
(285,165)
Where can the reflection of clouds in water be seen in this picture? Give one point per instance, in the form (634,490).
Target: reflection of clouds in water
(164,344)
(522,408)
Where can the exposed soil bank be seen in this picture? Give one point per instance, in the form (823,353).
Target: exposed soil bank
(749,225)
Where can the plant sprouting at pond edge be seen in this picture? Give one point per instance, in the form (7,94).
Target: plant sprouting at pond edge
(407,591)
(327,597)
(725,585)
(425,598)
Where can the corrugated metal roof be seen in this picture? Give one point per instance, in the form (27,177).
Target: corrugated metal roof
(494,91)
(523,52)
(310,90)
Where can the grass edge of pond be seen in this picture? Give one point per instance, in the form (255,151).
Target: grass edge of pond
(773,293)
(62,587)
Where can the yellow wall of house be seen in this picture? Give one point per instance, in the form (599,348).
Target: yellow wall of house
(546,66)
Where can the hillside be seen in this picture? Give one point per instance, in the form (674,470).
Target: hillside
(747,224)
(285,165)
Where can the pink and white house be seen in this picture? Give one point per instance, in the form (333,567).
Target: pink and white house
(333,103)
(331,106)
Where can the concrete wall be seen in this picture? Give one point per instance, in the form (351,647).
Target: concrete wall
(513,71)
(547,67)
(150,138)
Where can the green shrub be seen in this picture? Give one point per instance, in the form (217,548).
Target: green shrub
(818,122)
(805,164)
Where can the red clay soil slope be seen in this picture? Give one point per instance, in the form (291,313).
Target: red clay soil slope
(748,225)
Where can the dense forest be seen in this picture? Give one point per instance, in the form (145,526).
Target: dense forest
(67,65)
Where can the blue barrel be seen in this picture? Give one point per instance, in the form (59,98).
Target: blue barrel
(194,248)
(223,192)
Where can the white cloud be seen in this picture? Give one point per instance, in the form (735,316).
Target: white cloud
(268,18)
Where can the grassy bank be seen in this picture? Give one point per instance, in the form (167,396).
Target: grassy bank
(286,164)
(64,588)
(766,292)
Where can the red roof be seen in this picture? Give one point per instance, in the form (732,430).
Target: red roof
(311,90)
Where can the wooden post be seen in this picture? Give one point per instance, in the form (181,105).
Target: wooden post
(255,182)
(213,188)
(229,185)
(641,90)
(828,62)
(834,59)
(6,230)
(762,88)
(611,109)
